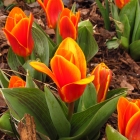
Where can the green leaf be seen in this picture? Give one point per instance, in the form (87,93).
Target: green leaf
(34,73)
(5,125)
(114,92)
(29,82)
(30,101)
(4,81)
(86,102)
(86,40)
(113,43)
(135,50)
(41,47)
(125,43)
(92,119)
(43,37)
(58,117)
(126,10)
(113,134)
(105,13)
(136,30)
(16,64)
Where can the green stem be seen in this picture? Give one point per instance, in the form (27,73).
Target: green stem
(26,58)
(70,110)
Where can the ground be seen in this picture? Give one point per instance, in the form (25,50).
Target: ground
(126,72)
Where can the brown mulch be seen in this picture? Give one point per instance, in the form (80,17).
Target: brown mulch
(126,72)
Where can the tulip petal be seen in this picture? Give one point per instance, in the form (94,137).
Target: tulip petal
(67,28)
(133,127)
(75,19)
(126,110)
(71,92)
(54,8)
(10,22)
(16,46)
(66,12)
(21,27)
(70,45)
(105,78)
(64,71)
(16,81)
(43,68)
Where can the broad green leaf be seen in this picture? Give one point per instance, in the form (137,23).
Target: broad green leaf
(41,47)
(58,117)
(4,81)
(30,101)
(126,10)
(50,44)
(5,125)
(113,134)
(136,31)
(87,42)
(92,119)
(114,92)
(88,99)
(135,50)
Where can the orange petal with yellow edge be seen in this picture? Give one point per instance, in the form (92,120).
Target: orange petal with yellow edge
(15,44)
(126,110)
(16,81)
(10,23)
(73,91)
(133,127)
(67,28)
(43,68)
(66,12)
(71,46)
(64,71)
(53,10)
(75,18)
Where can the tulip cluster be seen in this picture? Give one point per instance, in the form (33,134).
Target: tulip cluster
(129,118)
(68,73)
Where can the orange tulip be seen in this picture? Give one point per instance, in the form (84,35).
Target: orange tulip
(103,76)
(52,9)
(68,24)
(68,70)
(121,3)
(129,118)
(15,81)
(18,32)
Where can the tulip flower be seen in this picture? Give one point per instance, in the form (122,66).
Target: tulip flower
(52,8)
(121,3)
(129,118)
(68,70)
(16,81)
(103,76)
(68,24)
(18,32)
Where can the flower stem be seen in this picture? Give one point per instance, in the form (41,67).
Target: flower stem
(70,110)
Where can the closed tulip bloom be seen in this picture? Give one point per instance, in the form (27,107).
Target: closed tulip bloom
(52,8)
(103,76)
(68,24)
(121,3)
(18,32)
(16,81)
(68,70)
(129,118)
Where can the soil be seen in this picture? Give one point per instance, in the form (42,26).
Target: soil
(126,72)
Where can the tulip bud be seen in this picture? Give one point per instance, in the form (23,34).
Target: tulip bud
(121,3)
(103,76)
